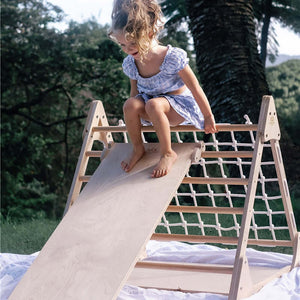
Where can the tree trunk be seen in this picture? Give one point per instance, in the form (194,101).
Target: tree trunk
(228,62)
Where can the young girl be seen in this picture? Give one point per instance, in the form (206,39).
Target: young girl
(164,89)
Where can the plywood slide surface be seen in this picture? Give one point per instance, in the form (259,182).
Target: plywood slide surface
(97,244)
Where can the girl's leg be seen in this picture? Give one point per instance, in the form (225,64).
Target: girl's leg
(161,114)
(134,109)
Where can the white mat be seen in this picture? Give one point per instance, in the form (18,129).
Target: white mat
(14,266)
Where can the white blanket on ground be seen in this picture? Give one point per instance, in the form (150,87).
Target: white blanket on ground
(14,266)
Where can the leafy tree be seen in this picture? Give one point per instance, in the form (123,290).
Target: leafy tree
(48,79)
(284,83)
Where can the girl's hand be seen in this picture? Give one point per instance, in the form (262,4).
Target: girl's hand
(210,124)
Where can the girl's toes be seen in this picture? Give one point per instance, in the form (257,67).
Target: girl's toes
(124,165)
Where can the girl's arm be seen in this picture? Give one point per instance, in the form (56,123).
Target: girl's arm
(133,88)
(191,81)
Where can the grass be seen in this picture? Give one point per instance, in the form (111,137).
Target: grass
(25,237)
(29,236)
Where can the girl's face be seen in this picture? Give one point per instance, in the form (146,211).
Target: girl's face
(128,47)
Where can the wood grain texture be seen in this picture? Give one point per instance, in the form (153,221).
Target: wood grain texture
(96,246)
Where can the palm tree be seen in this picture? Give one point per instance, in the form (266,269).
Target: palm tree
(228,62)
(266,12)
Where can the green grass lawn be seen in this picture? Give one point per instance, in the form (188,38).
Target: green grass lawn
(25,237)
(29,236)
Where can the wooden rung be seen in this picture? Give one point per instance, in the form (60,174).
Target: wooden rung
(213,180)
(206,209)
(85,178)
(205,154)
(181,128)
(93,153)
(197,180)
(227,154)
(194,238)
(218,239)
(176,266)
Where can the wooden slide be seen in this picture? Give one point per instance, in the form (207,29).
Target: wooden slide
(97,244)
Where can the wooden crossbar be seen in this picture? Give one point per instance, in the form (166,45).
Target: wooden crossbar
(206,209)
(218,239)
(93,153)
(214,180)
(181,128)
(197,180)
(227,154)
(85,178)
(223,269)
(205,154)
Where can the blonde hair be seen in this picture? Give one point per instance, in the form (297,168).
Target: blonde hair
(140,20)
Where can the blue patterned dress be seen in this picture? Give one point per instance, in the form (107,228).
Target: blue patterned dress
(166,81)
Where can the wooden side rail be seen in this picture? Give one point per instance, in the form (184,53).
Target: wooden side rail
(181,128)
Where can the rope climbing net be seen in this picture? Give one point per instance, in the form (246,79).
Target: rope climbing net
(218,204)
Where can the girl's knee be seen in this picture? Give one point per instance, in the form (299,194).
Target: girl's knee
(154,106)
(133,105)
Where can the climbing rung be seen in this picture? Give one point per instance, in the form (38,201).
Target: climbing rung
(205,154)
(93,153)
(227,154)
(180,128)
(85,178)
(206,209)
(162,265)
(194,238)
(196,180)
(213,180)
(166,237)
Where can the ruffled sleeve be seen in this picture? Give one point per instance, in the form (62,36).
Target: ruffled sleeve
(129,67)
(176,59)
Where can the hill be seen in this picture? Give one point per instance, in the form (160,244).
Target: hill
(281,59)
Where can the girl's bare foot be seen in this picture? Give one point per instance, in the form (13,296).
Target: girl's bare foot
(164,165)
(137,154)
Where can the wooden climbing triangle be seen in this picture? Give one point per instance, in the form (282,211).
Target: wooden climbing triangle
(231,190)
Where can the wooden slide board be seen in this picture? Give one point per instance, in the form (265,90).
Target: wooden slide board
(97,244)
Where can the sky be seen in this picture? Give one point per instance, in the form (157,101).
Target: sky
(81,10)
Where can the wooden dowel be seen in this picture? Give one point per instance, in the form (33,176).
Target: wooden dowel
(205,154)
(85,178)
(181,128)
(176,266)
(93,153)
(194,238)
(227,154)
(218,240)
(213,180)
(206,209)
